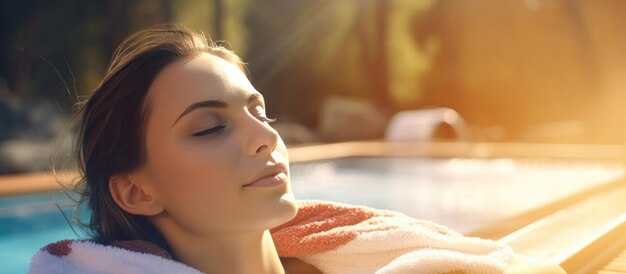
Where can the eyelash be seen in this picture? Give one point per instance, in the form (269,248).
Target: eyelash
(220,127)
(209,131)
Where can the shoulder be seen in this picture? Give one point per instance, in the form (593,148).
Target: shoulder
(81,256)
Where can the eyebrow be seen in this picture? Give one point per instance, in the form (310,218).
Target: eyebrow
(216,104)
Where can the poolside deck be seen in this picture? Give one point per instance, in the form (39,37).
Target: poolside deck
(616,266)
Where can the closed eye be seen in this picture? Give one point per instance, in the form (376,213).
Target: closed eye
(209,131)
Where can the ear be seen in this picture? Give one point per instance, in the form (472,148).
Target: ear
(131,194)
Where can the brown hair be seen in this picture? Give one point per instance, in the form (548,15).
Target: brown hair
(112,124)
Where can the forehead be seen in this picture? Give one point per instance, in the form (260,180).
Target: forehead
(198,78)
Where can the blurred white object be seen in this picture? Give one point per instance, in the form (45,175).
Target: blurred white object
(424,125)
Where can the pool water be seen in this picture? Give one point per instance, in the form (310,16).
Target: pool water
(462,194)
(28,223)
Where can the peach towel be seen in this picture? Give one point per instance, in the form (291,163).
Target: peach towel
(340,238)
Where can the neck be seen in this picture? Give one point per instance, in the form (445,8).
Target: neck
(241,252)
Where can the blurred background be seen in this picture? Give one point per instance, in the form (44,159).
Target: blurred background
(536,71)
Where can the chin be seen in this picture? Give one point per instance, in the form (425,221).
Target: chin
(270,209)
(285,210)
(277,213)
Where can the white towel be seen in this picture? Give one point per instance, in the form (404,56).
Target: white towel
(335,238)
(75,256)
(339,238)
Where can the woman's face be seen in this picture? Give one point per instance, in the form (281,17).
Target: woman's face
(207,139)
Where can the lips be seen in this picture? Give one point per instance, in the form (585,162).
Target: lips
(271,175)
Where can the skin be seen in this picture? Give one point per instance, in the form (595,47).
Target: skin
(192,187)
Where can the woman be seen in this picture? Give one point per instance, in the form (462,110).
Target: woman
(178,160)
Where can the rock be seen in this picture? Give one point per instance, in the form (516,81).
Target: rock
(344,119)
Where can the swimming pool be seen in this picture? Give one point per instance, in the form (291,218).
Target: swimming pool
(461,193)
(27,223)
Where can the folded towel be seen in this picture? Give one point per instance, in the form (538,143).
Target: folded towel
(333,237)
(129,257)
(340,238)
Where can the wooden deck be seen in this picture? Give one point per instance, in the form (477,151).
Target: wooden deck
(616,266)
(580,236)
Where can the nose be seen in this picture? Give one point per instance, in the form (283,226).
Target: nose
(261,137)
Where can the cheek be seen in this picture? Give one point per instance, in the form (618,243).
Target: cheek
(194,166)
(191,180)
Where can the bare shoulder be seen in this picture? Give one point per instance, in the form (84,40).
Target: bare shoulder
(297,266)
